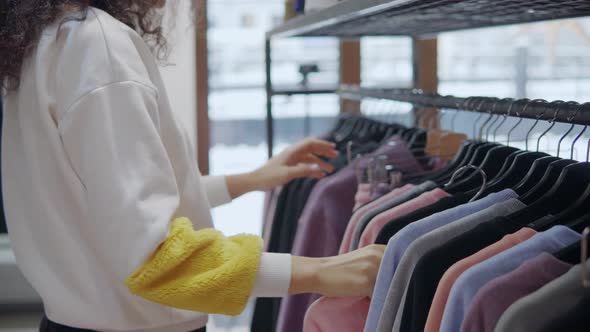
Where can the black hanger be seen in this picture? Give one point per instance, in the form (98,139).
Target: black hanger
(364,132)
(417,140)
(360,132)
(387,130)
(378,130)
(407,133)
(483,181)
(475,155)
(491,164)
(520,167)
(338,125)
(579,207)
(348,128)
(571,184)
(554,170)
(525,158)
(508,160)
(506,166)
(392,130)
(549,179)
(489,157)
(554,193)
(452,165)
(537,170)
(575,210)
(461,158)
(534,175)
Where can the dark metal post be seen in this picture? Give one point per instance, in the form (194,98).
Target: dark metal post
(269,118)
(202,94)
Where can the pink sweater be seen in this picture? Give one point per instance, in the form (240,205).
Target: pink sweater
(374,227)
(356,217)
(349,314)
(444,286)
(362,196)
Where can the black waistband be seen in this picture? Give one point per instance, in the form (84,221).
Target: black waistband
(49,326)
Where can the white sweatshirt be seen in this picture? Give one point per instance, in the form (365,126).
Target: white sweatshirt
(94,168)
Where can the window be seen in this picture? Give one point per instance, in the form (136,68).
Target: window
(541,60)
(237,104)
(247,20)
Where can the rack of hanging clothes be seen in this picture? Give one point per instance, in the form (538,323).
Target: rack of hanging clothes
(480,235)
(305,199)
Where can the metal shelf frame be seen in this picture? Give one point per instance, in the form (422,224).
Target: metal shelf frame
(351,19)
(356,18)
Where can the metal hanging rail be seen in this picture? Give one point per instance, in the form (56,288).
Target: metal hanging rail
(356,18)
(558,111)
(299,90)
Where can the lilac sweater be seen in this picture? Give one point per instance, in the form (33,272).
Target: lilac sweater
(467,285)
(496,296)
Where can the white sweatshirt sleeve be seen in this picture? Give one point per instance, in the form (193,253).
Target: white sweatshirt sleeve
(273,277)
(216,189)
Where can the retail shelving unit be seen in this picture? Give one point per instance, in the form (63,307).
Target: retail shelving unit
(415,18)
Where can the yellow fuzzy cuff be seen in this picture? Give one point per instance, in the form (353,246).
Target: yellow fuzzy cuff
(201,270)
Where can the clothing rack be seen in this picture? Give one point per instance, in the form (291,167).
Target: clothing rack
(545,190)
(558,111)
(418,19)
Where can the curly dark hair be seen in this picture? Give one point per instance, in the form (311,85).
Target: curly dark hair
(22,22)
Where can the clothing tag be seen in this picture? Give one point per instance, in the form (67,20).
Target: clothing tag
(371,172)
(361,173)
(381,169)
(395,179)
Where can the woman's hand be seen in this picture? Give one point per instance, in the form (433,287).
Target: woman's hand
(297,161)
(351,274)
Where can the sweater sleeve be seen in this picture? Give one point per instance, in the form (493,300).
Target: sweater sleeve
(112,142)
(216,189)
(199,270)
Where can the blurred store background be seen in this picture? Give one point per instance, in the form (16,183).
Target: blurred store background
(548,60)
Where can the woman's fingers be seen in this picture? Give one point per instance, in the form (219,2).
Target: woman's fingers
(320,147)
(303,170)
(313,159)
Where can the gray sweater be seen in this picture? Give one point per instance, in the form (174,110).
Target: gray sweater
(539,309)
(392,311)
(398,200)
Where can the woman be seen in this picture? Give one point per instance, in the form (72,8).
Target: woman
(108,215)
